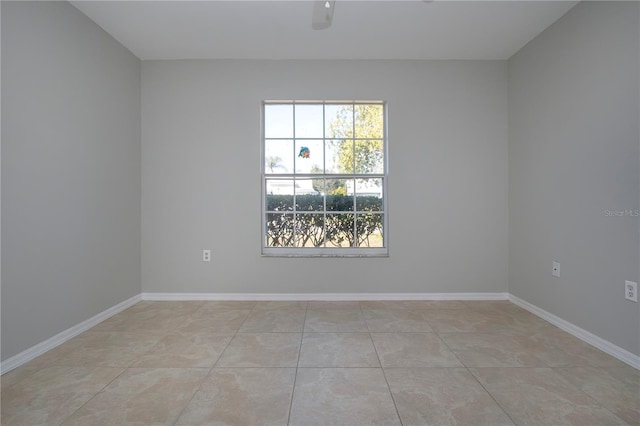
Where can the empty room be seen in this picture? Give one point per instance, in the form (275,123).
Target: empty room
(320,212)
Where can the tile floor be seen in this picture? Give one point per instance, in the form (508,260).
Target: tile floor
(323,363)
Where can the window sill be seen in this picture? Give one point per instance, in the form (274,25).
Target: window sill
(294,252)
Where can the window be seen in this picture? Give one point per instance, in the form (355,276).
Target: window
(324,177)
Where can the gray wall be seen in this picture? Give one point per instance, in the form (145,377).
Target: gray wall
(70,172)
(447,179)
(573,156)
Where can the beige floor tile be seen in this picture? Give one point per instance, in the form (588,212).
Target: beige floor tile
(342,396)
(538,374)
(335,320)
(413,304)
(540,396)
(151,319)
(262,350)
(104,349)
(277,320)
(326,304)
(482,321)
(547,348)
(413,350)
(519,320)
(142,396)
(496,349)
(52,394)
(219,314)
(383,304)
(500,305)
(560,349)
(187,350)
(224,305)
(435,304)
(449,321)
(214,321)
(442,396)
(242,396)
(280,304)
(338,350)
(54,356)
(616,388)
(390,320)
(17,374)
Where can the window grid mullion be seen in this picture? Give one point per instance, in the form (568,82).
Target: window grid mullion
(353,148)
(324,177)
(295,164)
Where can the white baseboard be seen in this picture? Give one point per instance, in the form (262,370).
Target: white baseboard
(604,345)
(323,296)
(42,347)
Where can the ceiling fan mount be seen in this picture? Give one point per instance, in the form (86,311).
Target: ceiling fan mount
(322,14)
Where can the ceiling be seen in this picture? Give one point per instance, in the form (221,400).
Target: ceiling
(375,29)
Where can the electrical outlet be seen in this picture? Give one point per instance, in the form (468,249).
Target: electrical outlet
(631,291)
(555,269)
(206,255)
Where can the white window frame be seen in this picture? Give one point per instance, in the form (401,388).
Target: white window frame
(324,251)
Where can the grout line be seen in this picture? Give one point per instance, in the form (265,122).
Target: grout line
(447,346)
(192,396)
(384,374)
(210,369)
(469,370)
(228,343)
(585,392)
(124,369)
(160,337)
(492,397)
(295,378)
(472,375)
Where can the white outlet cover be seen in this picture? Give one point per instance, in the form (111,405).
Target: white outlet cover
(555,269)
(206,255)
(631,291)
